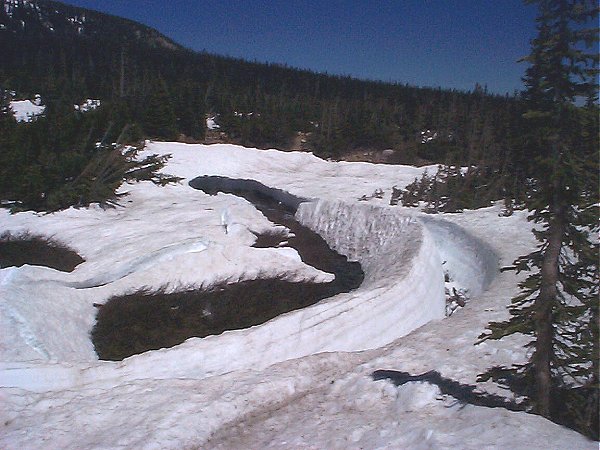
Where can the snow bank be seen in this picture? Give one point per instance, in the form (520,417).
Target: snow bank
(470,262)
(404,281)
(403,289)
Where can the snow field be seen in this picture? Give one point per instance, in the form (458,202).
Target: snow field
(244,389)
(403,289)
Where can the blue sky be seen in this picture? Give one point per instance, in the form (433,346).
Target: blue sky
(448,43)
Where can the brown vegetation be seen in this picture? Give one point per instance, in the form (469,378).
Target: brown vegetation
(145,320)
(17,250)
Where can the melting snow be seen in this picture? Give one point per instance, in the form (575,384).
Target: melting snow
(297,381)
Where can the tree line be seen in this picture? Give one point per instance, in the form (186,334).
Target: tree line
(154,88)
(340,114)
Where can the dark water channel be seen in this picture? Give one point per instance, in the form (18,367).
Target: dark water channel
(147,320)
(280,207)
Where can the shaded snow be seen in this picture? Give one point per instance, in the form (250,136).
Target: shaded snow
(244,389)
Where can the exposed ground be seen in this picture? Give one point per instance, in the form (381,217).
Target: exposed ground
(18,250)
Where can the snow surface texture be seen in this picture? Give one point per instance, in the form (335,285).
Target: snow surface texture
(470,262)
(404,283)
(224,391)
(26,110)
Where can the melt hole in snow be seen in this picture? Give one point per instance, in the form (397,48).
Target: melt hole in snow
(20,249)
(141,321)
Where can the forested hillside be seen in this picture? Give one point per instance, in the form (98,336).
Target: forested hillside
(68,54)
(150,87)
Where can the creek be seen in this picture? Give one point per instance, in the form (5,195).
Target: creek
(142,321)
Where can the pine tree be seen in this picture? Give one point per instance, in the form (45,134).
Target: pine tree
(103,175)
(7,119)
(8,151)
(159,118)
(558,304)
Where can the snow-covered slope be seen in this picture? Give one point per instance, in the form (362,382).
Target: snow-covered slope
(246,388)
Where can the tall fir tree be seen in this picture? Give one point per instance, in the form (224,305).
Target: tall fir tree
(8,127)
(558,304)
(159,120)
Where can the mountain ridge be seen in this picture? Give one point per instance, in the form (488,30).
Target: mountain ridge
(51,17)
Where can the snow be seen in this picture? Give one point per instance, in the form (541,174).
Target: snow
(211,123)
(301,380)
(26,110)
(428,136)
(88,105)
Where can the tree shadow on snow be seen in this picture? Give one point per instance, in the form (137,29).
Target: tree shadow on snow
(464,393)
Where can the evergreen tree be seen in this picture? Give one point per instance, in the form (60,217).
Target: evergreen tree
(7,119)
(159,119)
(558,304)
(8,126)
(103,175)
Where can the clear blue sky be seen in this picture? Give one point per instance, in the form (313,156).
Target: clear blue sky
(448,43)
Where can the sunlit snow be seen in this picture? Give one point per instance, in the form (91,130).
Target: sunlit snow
(26,110)
(301,380)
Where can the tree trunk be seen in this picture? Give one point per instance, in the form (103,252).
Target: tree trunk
(122,77)
(544,305)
